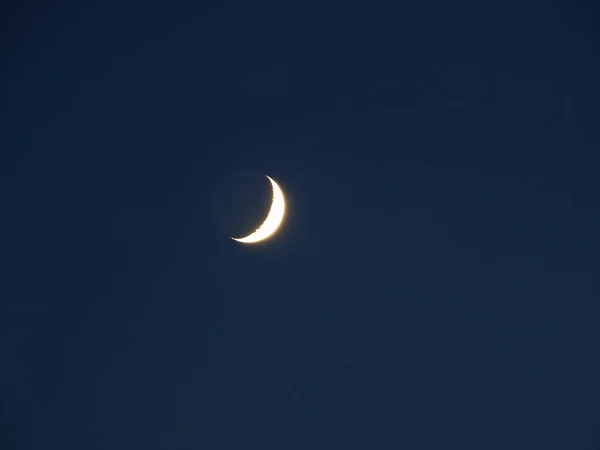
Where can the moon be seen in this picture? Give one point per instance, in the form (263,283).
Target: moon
(273,220)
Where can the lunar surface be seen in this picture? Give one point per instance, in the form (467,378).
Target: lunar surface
(273,220)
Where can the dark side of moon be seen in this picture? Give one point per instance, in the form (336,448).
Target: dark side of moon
(241,202)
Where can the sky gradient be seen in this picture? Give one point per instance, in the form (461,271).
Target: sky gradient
(436,284)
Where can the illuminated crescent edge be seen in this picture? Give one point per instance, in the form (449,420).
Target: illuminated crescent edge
(273,220)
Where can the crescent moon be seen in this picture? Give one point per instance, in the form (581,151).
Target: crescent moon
(273,220)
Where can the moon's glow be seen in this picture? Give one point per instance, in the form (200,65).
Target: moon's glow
(273,220)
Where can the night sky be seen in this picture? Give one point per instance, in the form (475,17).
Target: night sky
(436,284)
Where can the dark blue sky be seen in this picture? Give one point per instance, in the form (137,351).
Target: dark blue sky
(436,285)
